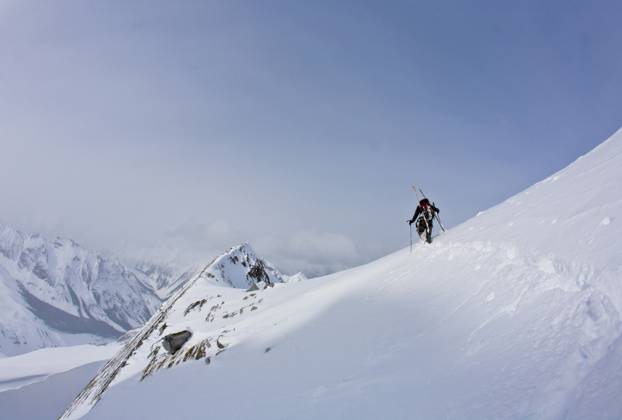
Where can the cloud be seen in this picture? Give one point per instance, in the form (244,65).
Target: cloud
(323,247)
(186,244)
(135,130)
(312,252)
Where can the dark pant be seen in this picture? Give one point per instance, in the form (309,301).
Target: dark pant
(425,225)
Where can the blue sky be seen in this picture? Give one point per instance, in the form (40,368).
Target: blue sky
(176,129)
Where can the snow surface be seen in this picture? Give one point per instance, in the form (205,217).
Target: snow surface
(38,365)
(513,314)
(45,400)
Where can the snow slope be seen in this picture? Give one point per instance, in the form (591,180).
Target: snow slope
(56,293)
(513,314)
(47,399)
(36,366)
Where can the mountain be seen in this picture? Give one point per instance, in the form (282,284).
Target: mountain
(55,293)
(165,279)
(160,275)
(237,271)
(232,271)
(513,314)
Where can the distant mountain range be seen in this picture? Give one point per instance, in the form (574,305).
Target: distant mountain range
(55,293)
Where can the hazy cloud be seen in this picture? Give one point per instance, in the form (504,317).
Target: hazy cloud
(176,130)
(314,253)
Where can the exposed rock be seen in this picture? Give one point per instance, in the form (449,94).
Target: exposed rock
(258,272)
(173,342)
(192,306)
(220,343)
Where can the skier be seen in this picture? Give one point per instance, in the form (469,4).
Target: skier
(425,213)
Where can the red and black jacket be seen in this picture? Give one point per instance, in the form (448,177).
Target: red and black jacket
(425,208)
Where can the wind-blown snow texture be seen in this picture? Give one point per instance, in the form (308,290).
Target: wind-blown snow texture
(56,293)
(513,314)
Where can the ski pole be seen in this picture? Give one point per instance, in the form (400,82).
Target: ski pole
(438,219)
(411,238)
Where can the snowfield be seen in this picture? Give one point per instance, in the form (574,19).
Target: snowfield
(515,314)
(36,366)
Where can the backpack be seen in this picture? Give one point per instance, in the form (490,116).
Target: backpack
(426,208)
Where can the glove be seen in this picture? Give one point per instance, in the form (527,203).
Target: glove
(410,222)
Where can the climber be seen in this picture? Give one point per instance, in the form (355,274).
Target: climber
(424,216)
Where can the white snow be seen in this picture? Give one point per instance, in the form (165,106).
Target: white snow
(47,399)
(491,321)
(38,365)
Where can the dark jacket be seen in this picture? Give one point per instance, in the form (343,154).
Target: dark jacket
(421,210)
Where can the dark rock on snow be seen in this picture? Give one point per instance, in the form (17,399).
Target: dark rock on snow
(173,342)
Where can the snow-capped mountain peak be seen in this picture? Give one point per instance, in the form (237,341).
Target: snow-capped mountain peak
(230,287)
(240,267)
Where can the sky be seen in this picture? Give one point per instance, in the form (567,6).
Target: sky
(174,130)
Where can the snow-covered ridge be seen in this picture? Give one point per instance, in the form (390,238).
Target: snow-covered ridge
(517,313)
(217,287)
(55,292)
